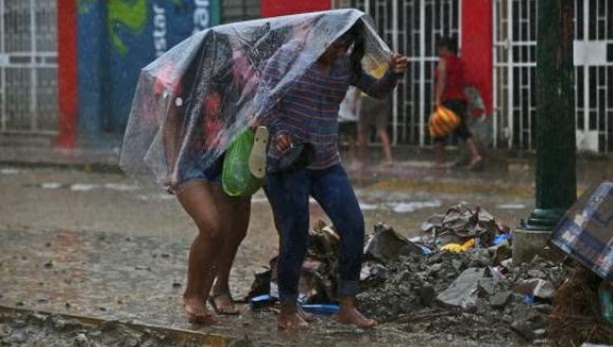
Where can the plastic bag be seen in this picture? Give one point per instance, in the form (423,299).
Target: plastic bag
(236,178)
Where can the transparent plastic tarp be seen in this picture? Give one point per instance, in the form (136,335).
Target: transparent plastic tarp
(190,102)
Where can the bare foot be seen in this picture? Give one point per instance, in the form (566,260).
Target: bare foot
(222,304)
(475,163)
(440,166)
(388,163)
(307,316)
(290,319)
(196,312)
(349,314)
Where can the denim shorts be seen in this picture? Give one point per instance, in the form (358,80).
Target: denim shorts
(192,168)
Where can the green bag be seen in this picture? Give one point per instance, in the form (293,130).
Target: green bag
(236,179)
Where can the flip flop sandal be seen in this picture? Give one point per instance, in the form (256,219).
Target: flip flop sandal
(257,158)
(219,311)
(202,319)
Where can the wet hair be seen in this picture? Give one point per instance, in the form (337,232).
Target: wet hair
(355,36)
(448,42)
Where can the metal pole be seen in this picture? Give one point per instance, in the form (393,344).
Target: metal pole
(3,54)
(33,68)
(422,71)
(395,100)
(556,182)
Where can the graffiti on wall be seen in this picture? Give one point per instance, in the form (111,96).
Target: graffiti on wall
(130,16)
(120,37)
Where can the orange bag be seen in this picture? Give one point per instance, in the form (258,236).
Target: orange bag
(442,122)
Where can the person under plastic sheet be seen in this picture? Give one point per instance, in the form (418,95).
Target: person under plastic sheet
(188,105)
(222,220)
(305,116)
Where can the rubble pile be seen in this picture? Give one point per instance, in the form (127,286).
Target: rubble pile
(457,278)
(465,294)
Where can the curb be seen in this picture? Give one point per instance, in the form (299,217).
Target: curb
(178,335)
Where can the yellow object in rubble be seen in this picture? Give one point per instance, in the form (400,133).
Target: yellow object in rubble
(457,248)
(452,247)
(468,244)
(442,122)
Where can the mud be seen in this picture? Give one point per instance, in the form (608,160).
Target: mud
(32,329)
(35,329)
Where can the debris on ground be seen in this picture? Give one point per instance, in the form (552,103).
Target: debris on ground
(34,329)
(583,305)
(458,279)
(576,317)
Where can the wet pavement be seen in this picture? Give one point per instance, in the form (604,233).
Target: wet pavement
(138,280)
(77,240)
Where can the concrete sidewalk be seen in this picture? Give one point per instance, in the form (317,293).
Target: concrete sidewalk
(412,164)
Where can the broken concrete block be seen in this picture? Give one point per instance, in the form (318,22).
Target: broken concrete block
(463,291)
(523,329)
(536,287)
(500,300)
(387,245)
(487,287)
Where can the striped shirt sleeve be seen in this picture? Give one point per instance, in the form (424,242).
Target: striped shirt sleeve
(377,88)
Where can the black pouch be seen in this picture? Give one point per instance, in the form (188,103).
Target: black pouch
(296,158)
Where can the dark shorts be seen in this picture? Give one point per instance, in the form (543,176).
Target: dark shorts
(348,128)
(192,168)
(459,108)
(374,112)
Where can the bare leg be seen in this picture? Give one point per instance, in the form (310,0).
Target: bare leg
(352,149)
(439,156)
(387,148)
(348,314)
(475,156)
(236,213)
(197,198)
(361,150)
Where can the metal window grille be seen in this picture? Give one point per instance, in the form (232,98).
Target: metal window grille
(515,29)
(412,27)
(237,10)
(28,66)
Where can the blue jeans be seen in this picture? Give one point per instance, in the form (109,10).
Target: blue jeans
(288,194)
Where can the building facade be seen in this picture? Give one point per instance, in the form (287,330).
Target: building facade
(68,67)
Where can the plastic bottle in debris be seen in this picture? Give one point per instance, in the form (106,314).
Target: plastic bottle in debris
(605,294)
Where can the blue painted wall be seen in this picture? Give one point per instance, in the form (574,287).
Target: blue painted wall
(119,37)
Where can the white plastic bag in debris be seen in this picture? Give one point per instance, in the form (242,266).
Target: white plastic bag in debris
(190,102)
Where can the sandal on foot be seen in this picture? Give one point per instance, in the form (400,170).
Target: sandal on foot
(218,310)
(257,158)
(195,318)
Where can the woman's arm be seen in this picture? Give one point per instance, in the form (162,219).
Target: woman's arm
(381,88)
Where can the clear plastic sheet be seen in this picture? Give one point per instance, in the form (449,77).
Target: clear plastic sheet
(190,102)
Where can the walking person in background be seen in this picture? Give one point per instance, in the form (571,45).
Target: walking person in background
(449,92)
(348,122)
(307,116)
(374,113)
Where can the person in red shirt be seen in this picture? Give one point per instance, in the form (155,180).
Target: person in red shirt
(449,92)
